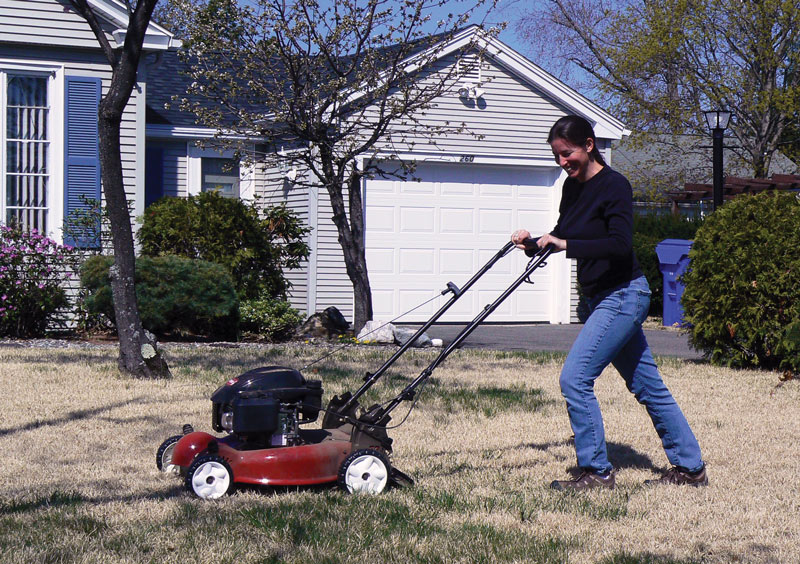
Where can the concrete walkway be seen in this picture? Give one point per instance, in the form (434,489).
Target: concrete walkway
(547,337)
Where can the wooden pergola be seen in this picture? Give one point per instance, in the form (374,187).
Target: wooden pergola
(732,187)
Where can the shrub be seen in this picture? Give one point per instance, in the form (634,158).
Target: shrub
(176,295)
(742,296)
(254,249)
(32,271)
(649,231)
(269,318)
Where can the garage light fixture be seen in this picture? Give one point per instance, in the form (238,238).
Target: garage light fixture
(470,91)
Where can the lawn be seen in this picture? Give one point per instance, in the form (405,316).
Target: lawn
(79,481)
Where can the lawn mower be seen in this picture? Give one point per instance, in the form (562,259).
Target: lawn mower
(261,412)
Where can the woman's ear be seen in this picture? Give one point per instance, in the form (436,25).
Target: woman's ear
(589,145)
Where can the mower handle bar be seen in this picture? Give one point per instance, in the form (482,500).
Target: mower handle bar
(408,393)
(371,378)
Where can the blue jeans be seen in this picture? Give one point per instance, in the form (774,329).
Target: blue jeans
(613,334)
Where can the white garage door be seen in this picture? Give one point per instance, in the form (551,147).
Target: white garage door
(423,234)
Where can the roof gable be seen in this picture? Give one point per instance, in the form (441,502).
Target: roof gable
(115,13)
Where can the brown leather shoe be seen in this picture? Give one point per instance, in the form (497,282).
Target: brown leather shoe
(586,481)
(681,477)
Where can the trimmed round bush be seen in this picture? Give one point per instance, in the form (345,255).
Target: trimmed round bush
(268,318)
(254,248)
(742,288)
(176,295)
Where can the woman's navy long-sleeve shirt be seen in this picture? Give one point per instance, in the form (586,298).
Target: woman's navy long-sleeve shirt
(596,220)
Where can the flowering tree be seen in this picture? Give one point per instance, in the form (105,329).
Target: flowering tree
(338,84)
(33,269)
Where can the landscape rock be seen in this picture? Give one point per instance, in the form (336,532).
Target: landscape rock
(377,331)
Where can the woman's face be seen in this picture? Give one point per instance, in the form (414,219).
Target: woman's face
(574,159)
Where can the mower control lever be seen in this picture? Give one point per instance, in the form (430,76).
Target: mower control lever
(452,288)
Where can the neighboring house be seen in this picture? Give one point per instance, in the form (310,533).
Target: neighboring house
(468,193)
(52,74)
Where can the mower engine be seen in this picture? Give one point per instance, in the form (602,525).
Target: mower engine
(265,407)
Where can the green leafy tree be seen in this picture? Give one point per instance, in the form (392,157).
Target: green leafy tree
(124,63)
(331,83)
(658,64)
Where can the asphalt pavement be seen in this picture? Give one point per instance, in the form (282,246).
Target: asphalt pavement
(548,337)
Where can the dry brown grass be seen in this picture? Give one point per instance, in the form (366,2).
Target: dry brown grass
(79,482)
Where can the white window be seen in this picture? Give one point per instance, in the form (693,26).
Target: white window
(26,152)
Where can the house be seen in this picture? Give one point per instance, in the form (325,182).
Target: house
(52,72)
(467,195)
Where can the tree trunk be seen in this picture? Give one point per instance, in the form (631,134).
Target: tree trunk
(351,240)
(138,354)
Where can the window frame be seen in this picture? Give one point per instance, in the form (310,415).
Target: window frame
(194,176)
(55,127)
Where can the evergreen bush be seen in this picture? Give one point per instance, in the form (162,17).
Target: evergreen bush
(33,270)
(648,231)
(176,295)
(255,249)
(742,296)
(269,318)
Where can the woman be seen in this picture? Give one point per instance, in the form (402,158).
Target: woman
(595,226)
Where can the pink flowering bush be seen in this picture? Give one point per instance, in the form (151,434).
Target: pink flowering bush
(32,270)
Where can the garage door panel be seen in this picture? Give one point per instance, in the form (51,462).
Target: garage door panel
(383,304)
(495,222)
(417,187)
(381,218)
(417,261)
(502,269)
(417,220)
(416,299)
(457,220)
(456,261)
(496,191)
(380,261)
(532,303)
(535,220)
(451,187)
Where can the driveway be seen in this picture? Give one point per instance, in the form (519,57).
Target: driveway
(548,337)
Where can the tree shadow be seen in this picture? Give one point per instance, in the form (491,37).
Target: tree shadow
(70,417)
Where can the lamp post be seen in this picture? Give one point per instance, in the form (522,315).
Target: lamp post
(717,121)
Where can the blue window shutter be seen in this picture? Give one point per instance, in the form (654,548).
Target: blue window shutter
(81,154)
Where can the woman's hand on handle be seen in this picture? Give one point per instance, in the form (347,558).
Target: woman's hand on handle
(523,240)
(548,239)
(519,238)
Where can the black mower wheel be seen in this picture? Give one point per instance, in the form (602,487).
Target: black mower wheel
(365,471)
(209,477)
(164,455)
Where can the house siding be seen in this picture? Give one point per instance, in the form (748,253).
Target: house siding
(496,129)
(46,22)
(273,190)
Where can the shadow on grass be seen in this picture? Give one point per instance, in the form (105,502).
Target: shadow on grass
(69,417)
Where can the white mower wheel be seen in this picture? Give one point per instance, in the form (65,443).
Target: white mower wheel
(209,477)
(364,471)
(164,455)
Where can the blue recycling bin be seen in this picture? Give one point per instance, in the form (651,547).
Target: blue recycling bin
(673,259)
